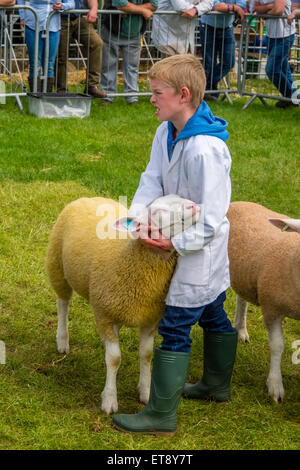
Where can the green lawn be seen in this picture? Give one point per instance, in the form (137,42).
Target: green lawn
(53,402)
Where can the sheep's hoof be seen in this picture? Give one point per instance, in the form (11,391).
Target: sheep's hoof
(109,404)
(278,400)
(144,393)
(276,391)
(243,336)
(63,349)
(62,341)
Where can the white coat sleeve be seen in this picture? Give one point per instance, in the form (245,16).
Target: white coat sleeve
(150,186)
(203,6)
(209,183)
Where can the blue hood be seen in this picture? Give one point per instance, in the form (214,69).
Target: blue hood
(203,122)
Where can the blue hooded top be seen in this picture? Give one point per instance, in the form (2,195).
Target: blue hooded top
(203,122)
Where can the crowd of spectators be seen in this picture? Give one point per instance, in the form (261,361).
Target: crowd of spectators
(170,34)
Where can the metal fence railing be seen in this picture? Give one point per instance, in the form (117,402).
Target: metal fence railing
(237,60)
(13,54)
(270,63)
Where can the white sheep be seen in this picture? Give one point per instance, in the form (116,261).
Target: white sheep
(265,270)
(125,283)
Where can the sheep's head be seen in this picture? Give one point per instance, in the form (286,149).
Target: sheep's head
(170,214)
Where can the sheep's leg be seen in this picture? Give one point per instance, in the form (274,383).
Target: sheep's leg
(276,342)
(113,361)
(240,320)
(146,351)
(62,334)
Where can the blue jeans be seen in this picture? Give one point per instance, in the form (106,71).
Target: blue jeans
(175,325)
(277,68)
(218,50)
(53,47)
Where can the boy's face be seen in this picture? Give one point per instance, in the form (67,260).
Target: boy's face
(166,101)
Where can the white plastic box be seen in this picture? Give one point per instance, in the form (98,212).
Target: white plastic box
(59,105)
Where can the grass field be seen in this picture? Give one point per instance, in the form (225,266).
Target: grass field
(48,401)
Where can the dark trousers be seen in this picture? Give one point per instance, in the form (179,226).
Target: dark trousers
(175,325)
(218,50)
(278,68)
(86,34)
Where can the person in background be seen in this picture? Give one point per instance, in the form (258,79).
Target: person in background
(295,11)
(123,33)
(280,35)
(43,10)
(218,42)
(81,28)
(174,34)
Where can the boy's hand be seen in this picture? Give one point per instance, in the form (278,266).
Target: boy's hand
(291,17)
(190,13)
(57,6)
(150,237)
(240,12)
(147,13)
(92,15)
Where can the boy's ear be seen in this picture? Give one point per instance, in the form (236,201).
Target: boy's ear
(185,94)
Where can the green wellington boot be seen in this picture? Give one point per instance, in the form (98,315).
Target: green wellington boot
(219,357)
(167,382)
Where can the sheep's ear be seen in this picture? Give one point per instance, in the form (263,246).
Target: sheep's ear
(288,225)
(125,224)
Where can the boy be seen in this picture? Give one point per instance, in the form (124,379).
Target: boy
(188,158)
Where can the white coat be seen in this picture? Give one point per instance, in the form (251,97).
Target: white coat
(173,34)
(202,270)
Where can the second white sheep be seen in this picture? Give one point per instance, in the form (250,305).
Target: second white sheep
(265,270)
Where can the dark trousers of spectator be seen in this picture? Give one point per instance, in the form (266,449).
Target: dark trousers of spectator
(86,34)
(277,68)
(218,51)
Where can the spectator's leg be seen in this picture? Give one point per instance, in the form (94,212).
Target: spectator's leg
(110,57)
(53,47)
(207,35)
(131,51)
(278,69)
(226,50)
(93,50)
(63,53)
(30,43)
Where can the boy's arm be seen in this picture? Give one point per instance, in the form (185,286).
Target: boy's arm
(188,7)
(68,5)
(7,3)
(237,7)
(262,9)
(198,9)
(209,183)
(93,13)
(275,8)
(295,12)
(129,7)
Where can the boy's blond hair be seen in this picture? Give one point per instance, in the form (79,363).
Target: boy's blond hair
(182,70)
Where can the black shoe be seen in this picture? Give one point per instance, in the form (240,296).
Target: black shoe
(285,104)
(209,97)
(105,101)
(95,92)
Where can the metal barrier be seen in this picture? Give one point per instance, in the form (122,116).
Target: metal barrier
(234,58)
(269,66)
(12,65)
